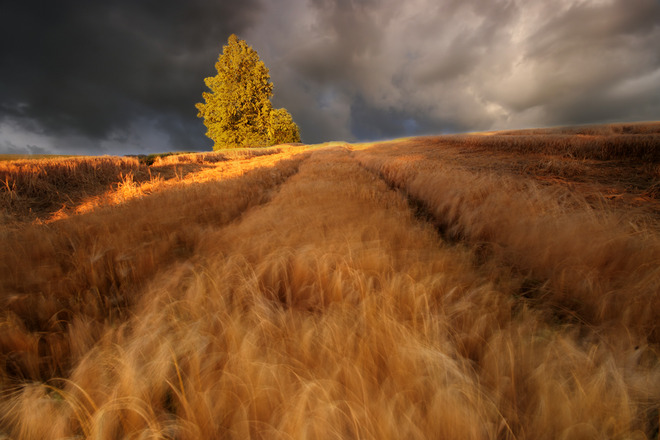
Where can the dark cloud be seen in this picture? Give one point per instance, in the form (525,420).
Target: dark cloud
(369,122)
(79,68)
(125,75)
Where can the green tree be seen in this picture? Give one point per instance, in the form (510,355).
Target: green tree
(238,112)
(281,128)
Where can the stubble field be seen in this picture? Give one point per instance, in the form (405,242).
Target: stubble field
(488,286)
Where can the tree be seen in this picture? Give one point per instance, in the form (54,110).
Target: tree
(238,112)
(281,128)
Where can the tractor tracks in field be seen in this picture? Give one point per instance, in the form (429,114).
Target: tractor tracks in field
(99,266)
(559,263)
(420,208)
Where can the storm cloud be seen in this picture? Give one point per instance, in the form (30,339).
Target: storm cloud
(123,76)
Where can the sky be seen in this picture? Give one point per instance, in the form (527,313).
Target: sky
(123,76)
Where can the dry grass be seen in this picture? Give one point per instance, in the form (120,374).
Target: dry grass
(591,264)
(225,155)
(601,142)
(52,189)
(216,156)
(638,128)
(13,157)
(638,146)
(31,187)
(377,293)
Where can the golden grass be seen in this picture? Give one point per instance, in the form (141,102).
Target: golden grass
(639,128)
(186,169)
(601,147)
(33,178)
(376,293)
(30,187)
(601,142)
(585,261)
(12,157)
(52,189)
(216,156)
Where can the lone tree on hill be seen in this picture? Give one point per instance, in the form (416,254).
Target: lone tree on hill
(238,111)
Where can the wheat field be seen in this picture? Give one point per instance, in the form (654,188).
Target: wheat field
(486,286)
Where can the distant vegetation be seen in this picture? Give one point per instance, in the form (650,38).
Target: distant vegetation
(32,187)
(39,189)
(149,159)
(6,157)
(238,112)
(603,142)
(491,286)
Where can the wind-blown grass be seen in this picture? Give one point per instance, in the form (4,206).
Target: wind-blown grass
(575,257)
(28,186)
(334,294)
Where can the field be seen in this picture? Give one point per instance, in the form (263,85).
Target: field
(501,285)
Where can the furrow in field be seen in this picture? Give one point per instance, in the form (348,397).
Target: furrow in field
(56,188)
(581,262)
(176,171)
(71,277)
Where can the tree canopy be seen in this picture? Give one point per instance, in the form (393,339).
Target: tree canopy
(238,112)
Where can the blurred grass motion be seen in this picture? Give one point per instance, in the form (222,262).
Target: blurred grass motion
(420,288)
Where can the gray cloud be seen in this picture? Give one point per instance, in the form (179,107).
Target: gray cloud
(9,148)
(124,75)
(467,65)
